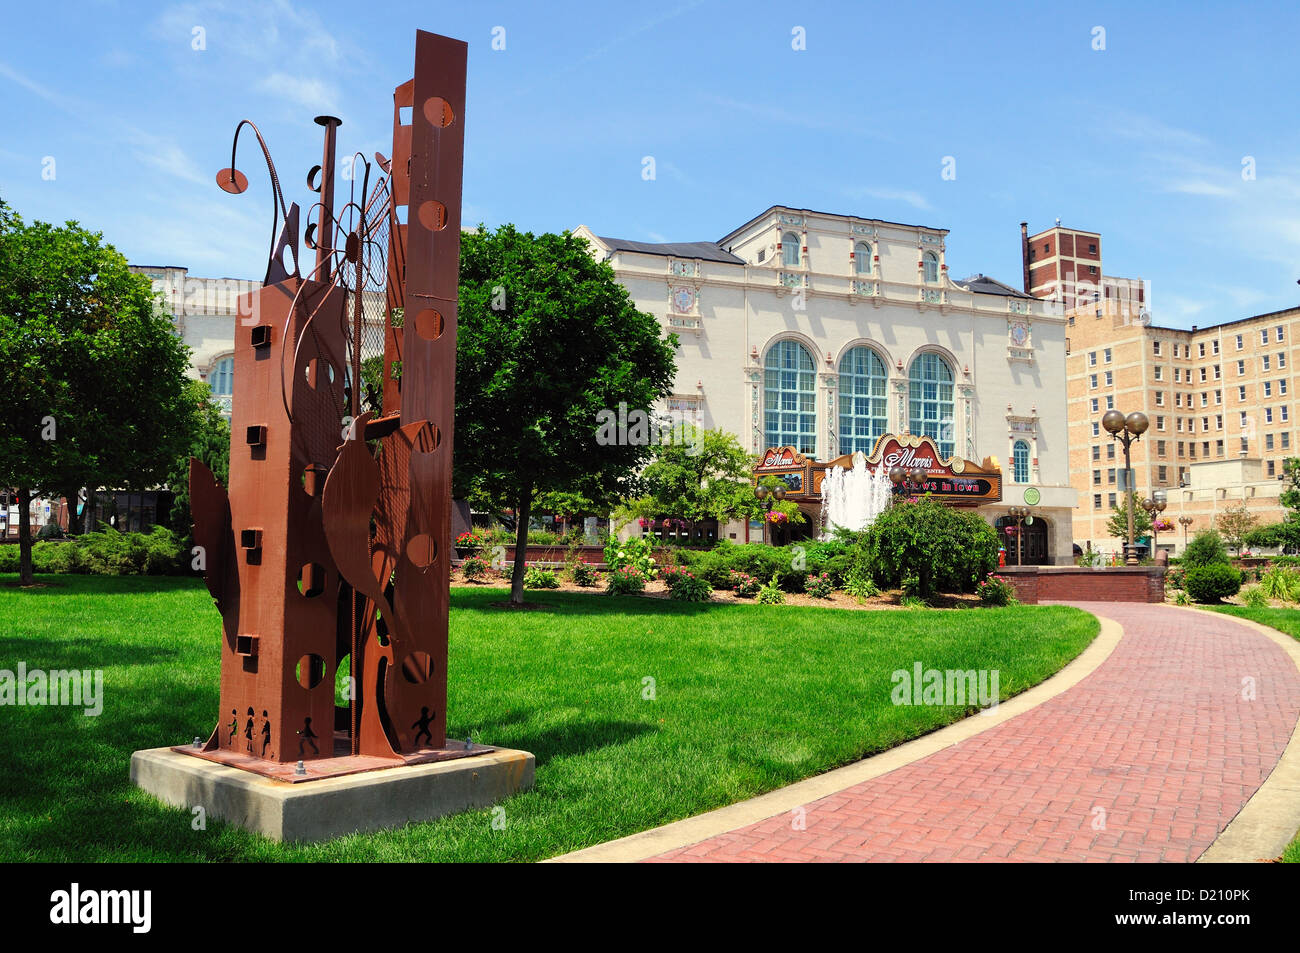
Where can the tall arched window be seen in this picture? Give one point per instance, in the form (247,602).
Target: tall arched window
(931,261)
(862,258)
(222,377)
(790,397)
(790,249)
(1020,461)
(931,410)
(864,406)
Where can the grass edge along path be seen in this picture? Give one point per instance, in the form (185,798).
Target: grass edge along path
(640,711)
(1286,621)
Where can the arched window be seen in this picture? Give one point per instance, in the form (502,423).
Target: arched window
(790,397)
(930,390)
(790,249)
(863,402)
(1020,461)
(862,258)
(222,377)
(931,267)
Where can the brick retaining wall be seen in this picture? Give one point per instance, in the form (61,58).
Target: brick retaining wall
(1034,584)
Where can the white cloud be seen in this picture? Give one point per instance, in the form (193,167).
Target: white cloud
(914,199)
(311,93)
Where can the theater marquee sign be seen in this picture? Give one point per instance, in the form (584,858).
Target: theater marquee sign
(953,479)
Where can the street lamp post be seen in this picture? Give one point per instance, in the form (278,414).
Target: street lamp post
(907,477)
(1154,507)
(1018,513)
(1186,521)
(1127,430)
(767,497)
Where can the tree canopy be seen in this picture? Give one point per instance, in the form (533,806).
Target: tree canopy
(92,372)
(547,340)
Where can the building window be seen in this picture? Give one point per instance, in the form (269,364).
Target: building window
(1285,412)
(1096,429)
(1094,405)
(1263,335)
(1160,448)
(1218,372)
(1268,415)
(1020,461)
(1163,474)
(1268,441)
(790,249)
(1272,468)
(1203,375)
(1205,398)
(1111,499)
(1241,368)
(1200,349)
(1279,335)
(1096,501)
(1286,437)
(1110,475)
(1268,388)
(1160,398)
(930,391)
(1092,358)
(1092,380)
(1110,378)
(1110,401)
(1096,478)
(790,397)
(1281,359)
(1110,451)
(931,261)
(1160,373)
(1155,348)
(1241,393)
(862,258)
(863,402)
(1265,361)
(222,377)
(1240,343)
(1214,346)
(1160,423)
(1281,386)
(1218,448)
(1106,355)
(1096,452)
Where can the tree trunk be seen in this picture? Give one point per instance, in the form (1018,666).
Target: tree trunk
(522,512)
(25,577)
(70,497)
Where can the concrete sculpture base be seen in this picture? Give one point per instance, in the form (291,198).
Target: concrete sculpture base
(331,807)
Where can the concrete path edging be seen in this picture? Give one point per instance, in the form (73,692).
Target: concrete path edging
(1270,820)
(692,830)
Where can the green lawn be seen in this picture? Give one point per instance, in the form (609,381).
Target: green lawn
(1288,622)
(749,698)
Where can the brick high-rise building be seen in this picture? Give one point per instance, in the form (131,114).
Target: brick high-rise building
(1220,399)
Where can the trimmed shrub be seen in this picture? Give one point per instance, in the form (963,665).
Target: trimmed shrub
(635,553)
(535,577)
(996,591)
(1205,549)
(474,568)
(860,586)
(819,586)
(771,594)
(685,586)
(582,573)
(1212,583)
(744,585)
(624,581)
(943,548)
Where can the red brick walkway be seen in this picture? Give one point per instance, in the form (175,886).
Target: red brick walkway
(1158,745)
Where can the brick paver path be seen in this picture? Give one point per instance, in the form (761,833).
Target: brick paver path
(1159,738)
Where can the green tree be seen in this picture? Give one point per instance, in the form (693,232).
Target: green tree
(1117,525)
(209,443)
(1235,523)
(548,345)
(91,371)
(696,474)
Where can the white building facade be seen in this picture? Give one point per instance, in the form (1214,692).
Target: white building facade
(824,331)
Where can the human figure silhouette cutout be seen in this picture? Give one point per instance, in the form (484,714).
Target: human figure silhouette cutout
(234,726)
(306,736)
(266,732)
(423,724)
(248,730)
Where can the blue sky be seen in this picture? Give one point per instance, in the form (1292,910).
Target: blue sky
(1143,141)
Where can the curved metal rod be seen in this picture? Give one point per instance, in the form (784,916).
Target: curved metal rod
(277,194)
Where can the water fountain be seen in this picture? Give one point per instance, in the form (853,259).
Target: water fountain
(852,499)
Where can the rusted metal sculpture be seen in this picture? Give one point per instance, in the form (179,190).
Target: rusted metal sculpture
(327,556)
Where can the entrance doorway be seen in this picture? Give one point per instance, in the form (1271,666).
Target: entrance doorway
(1030,549)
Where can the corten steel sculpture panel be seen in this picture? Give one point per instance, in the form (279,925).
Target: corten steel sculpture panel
(327,555)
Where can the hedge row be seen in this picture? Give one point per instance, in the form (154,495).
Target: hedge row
(105,553)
